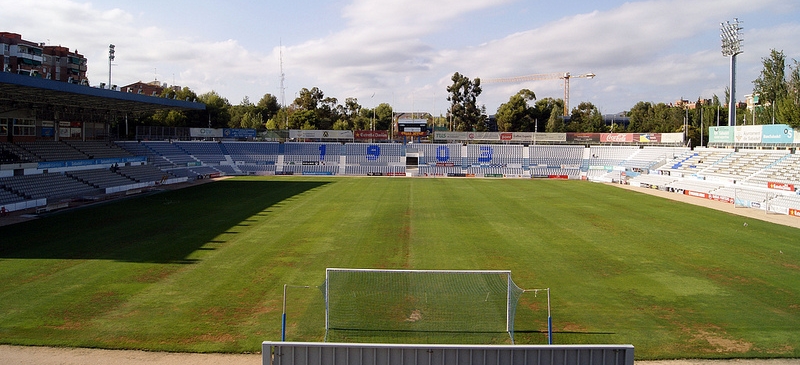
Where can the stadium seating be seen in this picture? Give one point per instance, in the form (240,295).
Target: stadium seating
(556,155)
(206,152)
(141,149)
(98,149)
(742,164)
(373,154)
(696,161)
(144,173)
(9,197)
(52,151)
(494,155)
(253,153)
(785,202)
(47,186)
(610,155)
(431,154)
(171,152)
(648,157)
(100,178)
(786,170)
(11,153)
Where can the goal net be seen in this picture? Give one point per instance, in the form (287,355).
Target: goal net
(419,306)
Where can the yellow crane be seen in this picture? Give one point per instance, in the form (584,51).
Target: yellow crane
(538,77)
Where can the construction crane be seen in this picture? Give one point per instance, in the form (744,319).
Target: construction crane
(538,77)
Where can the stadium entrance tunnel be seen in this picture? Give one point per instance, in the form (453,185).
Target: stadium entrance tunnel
(165,227)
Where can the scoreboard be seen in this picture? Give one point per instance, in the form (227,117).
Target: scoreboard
(412,127)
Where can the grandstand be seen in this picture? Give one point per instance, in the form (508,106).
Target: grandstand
(762,177)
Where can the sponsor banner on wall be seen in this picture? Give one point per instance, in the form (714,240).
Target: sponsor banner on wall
(467,136)
(720,198)
(747,134)
(672,138)
(205,132)
(450,136)
(777,133)
(371,134)
(324,134)
(500,136)
(583,137)
(720,134)
(780,186)
(648,137)
(239,133)
(794,212)
(551,137)
(98,161)
(616,137)
(408,132)
(695,194)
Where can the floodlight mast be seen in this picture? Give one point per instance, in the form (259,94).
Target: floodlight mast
(731,46)
(110,59)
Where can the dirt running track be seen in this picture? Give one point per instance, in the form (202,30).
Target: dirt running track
(22,355)
(785,220)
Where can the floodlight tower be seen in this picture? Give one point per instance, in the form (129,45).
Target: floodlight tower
(110,59)
(731,46)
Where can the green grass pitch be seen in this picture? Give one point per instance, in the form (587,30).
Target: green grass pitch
(202,269)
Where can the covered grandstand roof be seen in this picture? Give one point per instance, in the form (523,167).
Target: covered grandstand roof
(20,91)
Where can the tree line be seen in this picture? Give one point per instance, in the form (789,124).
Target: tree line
(777,92)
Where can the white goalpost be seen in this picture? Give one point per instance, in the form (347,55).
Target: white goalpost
(367,305)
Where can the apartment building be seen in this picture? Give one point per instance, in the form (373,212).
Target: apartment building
(24,57)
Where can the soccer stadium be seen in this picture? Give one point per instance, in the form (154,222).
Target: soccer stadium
(215,242)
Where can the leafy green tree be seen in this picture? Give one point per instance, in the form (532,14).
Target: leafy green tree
(516,115)
(252,120)
(586,118)
(555,123)
(217,110)
(309,99)
(268,106)
(771,84)
(280,120)
(383,117)
(245,109)
(326,109)
(641,116)
(303,119)
(543,110)
(464,111)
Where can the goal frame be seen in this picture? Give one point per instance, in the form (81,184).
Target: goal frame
(509,286)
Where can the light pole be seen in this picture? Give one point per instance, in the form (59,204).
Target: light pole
(110,59)
(731,46)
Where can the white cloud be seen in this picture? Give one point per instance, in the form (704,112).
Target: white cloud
(657,50)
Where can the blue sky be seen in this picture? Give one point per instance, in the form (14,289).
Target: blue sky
(403,52)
